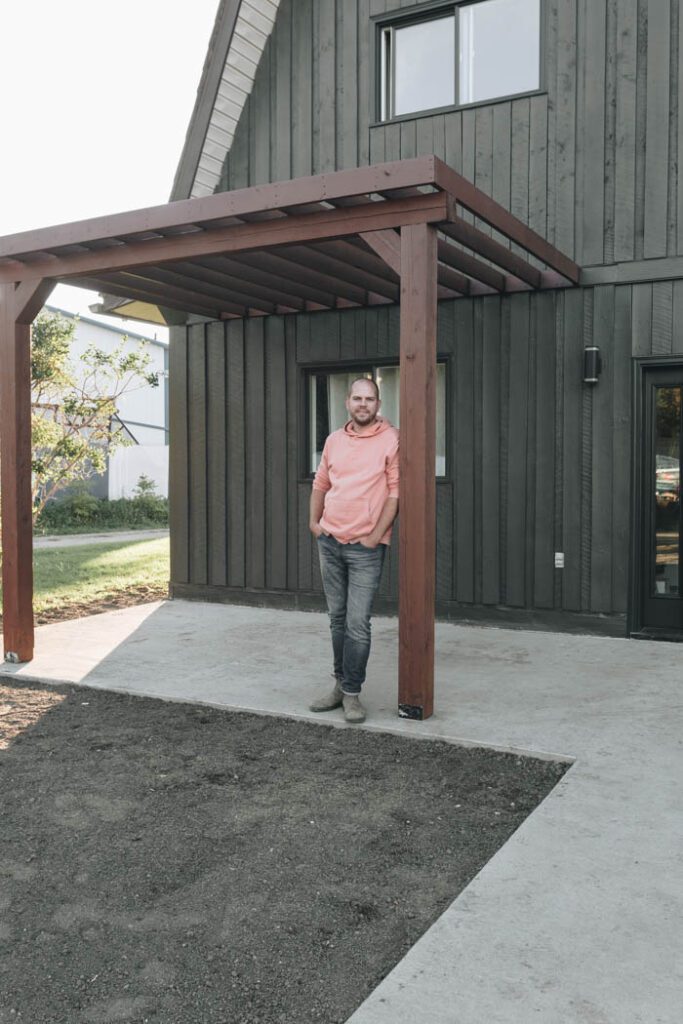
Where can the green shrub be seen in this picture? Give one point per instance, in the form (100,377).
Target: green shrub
(84,513)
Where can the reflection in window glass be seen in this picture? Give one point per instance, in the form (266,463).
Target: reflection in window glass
(499,49)
(667,490)
(327,411)
(424,66)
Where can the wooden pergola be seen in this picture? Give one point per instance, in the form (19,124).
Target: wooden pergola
(413,232)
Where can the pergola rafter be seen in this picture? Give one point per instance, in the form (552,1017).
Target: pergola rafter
(413,231)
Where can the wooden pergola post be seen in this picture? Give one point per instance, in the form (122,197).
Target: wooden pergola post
(18,307)
(417,531)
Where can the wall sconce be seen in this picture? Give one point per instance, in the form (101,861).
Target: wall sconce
(592,364)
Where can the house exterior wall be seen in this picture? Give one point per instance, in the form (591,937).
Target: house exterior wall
(538,462)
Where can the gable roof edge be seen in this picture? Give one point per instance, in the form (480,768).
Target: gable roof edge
(214,63)
(240,34)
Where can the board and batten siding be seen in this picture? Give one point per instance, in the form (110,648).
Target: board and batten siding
(538,463)
(590,163)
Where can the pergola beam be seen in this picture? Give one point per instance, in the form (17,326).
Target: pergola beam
(433,207)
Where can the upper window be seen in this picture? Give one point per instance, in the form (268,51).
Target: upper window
(467,53)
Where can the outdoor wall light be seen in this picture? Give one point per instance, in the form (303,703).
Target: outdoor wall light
(592,364)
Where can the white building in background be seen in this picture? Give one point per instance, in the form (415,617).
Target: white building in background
(142,412)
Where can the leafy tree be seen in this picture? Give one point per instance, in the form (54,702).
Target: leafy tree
(74,408)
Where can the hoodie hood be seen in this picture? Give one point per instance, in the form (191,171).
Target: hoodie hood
(378,428)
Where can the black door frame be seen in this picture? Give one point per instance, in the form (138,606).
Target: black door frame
(635,626)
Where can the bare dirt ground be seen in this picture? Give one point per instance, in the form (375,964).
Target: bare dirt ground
(171,864)
(121,599)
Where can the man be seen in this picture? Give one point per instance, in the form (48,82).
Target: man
(354,501)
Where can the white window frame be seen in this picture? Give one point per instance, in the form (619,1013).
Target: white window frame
(386,67)
(375,371)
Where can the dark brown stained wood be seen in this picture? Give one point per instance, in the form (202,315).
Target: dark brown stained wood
(30,297)
(610,122)
(15,481)
(302,93)
(197,454)
(677,41)
(347,92)
(490,447)
(530,511)
(255,453)
(199,288)
(462,261)
(221,206)
(591,199)
(621,466)
(294,455)
(465,193)
(464,451)
(538,164)
(563,183)
(258,268)
(281,97)
(179,465)
(387,245)
(216,429)
(657,131)
(260,144)
(276,454)
(147,291)
(432,207)
(625,154)
(417,536)
(326,156)
(662,317)
(251,293)
(677,317)
(468,235)
(517,452)
(355,251)
(444,540)
(477,390)
(572,304)
(544,401)
(326,283)
(306,551)
(341,271)
(602,460)
(641,330)
(236,468)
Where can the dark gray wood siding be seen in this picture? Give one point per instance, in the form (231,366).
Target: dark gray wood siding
(538,462)
(591,163)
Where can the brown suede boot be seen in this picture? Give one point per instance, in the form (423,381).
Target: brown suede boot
(354,711)
(329,700)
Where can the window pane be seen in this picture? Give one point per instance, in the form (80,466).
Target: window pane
(424,65)
(499,49)
(667,518)
(327,409)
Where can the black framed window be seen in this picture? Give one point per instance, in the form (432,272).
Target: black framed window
(326,394)
(459,54)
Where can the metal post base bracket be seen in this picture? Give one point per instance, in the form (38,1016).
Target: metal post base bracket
(413,711)
(12,658)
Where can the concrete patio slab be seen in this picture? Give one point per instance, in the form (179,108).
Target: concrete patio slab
(579,917)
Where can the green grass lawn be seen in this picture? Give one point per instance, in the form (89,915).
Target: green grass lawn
(94,572)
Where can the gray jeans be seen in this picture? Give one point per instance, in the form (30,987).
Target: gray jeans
(351,575)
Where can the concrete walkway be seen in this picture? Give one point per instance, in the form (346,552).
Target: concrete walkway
(578,919)
(70,540)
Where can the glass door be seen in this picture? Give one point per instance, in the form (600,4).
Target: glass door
(662,576)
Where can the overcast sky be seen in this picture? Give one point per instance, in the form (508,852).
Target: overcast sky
(96,102)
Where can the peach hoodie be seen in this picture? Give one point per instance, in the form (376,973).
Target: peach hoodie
(357,473)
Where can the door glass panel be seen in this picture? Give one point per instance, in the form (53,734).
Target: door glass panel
(667,518)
